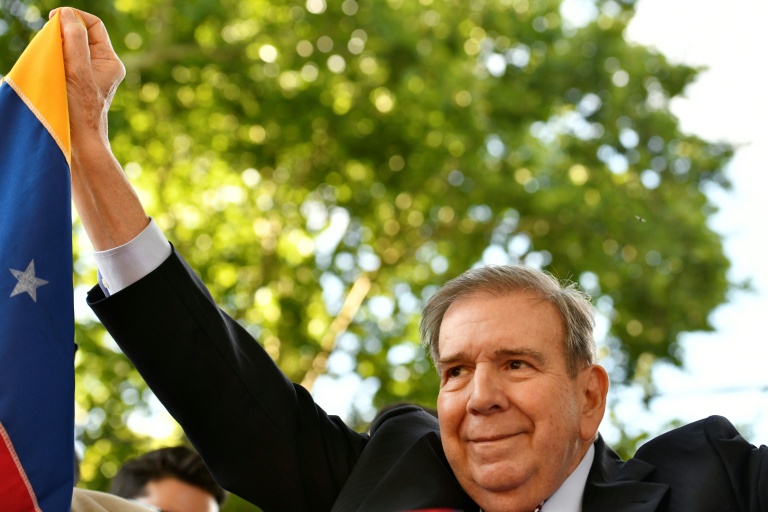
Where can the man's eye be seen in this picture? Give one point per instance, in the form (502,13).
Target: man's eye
(454,372)
(518,365)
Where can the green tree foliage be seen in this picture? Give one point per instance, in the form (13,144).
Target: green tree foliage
(295,150)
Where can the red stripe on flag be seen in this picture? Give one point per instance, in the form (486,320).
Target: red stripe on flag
(16,492)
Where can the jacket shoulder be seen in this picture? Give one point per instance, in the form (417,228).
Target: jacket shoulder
(708,462)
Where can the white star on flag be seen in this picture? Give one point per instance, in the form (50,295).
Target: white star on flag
(28,281)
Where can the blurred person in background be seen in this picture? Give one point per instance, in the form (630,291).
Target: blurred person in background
(172,479)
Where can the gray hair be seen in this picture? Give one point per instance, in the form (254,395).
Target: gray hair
(499,280)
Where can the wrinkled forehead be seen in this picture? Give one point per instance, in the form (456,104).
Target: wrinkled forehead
(487,294)
(508,310)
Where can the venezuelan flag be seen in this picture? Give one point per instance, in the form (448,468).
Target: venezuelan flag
(36,299)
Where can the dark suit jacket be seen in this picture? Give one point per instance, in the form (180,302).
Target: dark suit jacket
(704,466)
(266,440)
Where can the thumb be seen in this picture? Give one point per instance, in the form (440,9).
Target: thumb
(69,19)
(83,96)
(67,14)
(75,43)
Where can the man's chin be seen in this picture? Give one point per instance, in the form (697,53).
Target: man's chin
(499,478)
(500,497)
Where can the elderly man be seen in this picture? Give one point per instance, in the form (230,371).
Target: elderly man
(520,401)
(520,396)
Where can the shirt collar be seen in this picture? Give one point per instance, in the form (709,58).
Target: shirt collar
(568,497)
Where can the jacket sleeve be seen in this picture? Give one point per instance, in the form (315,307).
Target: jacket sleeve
(262,437)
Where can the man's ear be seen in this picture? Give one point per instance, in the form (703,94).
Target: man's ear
(593,382)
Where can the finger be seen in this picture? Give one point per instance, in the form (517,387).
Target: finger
(53,12)
(62,10)
(87,19)
(82,91)
(97,32)
(75,37)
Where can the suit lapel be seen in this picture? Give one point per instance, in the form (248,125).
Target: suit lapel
(420,479)
(618,486)
(402,467)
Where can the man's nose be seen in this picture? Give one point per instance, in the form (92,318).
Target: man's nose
(488,393)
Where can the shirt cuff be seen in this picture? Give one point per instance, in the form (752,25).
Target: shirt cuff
(122,266)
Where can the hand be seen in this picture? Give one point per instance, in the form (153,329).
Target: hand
(107,204)
(93,72)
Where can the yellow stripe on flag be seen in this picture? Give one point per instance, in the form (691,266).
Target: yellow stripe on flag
(46,98)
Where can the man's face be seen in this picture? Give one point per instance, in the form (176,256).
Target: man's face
(510,415)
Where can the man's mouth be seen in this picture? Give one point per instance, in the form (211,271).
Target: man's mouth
(491,438)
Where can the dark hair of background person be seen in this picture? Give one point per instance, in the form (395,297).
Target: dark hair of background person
(177,462)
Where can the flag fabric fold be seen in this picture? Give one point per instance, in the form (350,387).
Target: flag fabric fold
(36,297)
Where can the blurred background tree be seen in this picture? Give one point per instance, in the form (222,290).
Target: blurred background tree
(326,165)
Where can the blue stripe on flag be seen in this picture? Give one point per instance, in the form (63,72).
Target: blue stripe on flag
(36,302)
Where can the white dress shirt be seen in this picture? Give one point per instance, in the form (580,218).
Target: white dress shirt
(124,265)
(569,496)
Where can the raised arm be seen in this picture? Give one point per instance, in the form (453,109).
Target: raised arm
(262,436)
(106,202)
